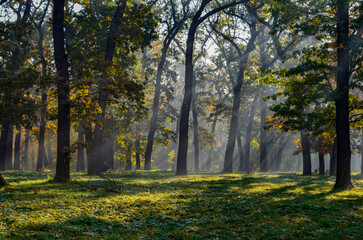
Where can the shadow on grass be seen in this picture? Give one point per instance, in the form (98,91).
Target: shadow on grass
(231,207)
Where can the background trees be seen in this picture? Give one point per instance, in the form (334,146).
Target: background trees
(123,68)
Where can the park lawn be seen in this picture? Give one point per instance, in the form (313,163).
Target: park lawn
(160,205)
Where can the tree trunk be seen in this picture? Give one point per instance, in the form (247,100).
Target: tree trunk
(42,156)
(181,168)
(26,150)
(3,182)
(9,149)
(195,126)
(63,131)
(280,149)
(343,180)
(154,117)
(137,146)
(321,163)
(263,138)
(209,160)
(241,153)
(233,129)
(128,159)
(262,40)
(248,135)
(89,149)
(333,159)
(109,151)
(49,151)
(305,144)
(17,148)
(98,161)
(80,152)
(3,141)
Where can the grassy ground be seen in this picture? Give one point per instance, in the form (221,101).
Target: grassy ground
(159,205)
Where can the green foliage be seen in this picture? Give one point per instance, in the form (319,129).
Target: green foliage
(159,205)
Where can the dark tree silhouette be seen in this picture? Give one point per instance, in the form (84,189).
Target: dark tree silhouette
(342,104)
(63,131)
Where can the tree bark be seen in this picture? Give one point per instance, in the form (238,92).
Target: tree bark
(195,126)
(343,180)
(9,149)
(181,168)
(63,131)
(80,152)
(3,141)
(321,163)
(262,40)
(89,149)
(209,160)
(49,151)
(17,148)
(42,156)
(248,135)
(241,153)
(26,150)
(3,182)
(137,146)
(305,145)
(333,159)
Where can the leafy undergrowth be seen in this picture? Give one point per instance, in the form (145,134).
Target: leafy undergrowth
(160,205)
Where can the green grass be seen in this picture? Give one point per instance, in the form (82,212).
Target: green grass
(159,205)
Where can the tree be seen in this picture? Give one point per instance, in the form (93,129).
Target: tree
(42,160)
(188,88)
(242,65)
(342,100)
(334,58)
(63,130)
(97,162)
(172,30)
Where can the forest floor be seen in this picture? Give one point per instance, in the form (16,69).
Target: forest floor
(160,205)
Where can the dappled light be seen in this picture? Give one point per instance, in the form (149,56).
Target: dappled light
(181,119)
(200,205)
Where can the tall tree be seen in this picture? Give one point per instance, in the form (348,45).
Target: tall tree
(63,130)
(97,163)
(198,18)
(249,133)
(342,101)
(42,156)
(172,31)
